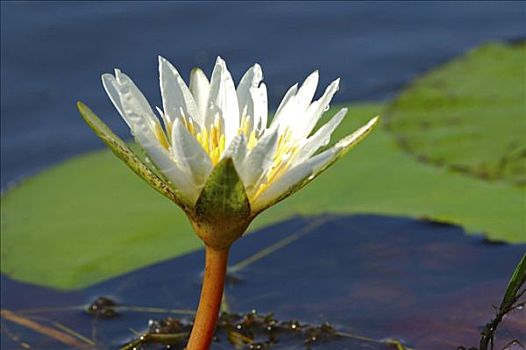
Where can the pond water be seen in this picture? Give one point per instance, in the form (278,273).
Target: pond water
(371,277)
(52,54)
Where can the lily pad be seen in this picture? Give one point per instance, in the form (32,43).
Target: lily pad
(91,218)
(374,279)
(468,115)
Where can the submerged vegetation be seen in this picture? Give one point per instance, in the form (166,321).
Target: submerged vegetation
(251,331)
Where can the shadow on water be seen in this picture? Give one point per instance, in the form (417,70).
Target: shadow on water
(370,277)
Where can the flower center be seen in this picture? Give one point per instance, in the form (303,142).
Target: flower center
(212,140)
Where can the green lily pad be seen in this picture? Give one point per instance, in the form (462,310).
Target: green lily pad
(91,218)
(469,114)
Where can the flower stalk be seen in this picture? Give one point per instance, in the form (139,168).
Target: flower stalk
(210,300)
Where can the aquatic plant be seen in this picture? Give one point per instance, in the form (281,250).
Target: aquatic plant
(216,158)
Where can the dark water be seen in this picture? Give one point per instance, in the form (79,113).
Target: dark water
(427,284)
(52,54)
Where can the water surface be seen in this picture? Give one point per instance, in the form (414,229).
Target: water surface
(53,53)
(427,284)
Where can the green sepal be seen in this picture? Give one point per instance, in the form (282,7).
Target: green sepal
(129,157)
(307,179)
(222,212)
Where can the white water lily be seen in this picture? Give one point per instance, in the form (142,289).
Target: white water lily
(215,155)
(211,120)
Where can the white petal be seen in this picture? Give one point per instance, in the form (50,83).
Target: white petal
(200,88)
(259,160)
(142,123)
(110,85)
(175,94)
(237,150)
(316,110)
(259,96)
(164,117)
(223,96)
(181,178)
(134,108)
(307,90)
(251,79)
(252,98)
(321,137)
(188,151)
(292,109)
(291,92)
(292,177)
(121,86)
(285,102)
(140,103)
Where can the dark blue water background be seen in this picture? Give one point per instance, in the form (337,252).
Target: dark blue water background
(53,53)
(428,284)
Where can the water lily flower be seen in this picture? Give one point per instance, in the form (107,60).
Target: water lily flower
(212,151)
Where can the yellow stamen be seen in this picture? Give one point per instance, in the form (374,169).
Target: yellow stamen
(204,140)
(252,140)
(161,136)
(168,128)
(243,126)
(212,140)
(222,141)
(191,128)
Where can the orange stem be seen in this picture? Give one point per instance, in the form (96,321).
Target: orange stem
(210,301)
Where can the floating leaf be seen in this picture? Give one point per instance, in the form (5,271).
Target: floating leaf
(468,115)
(104,221)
